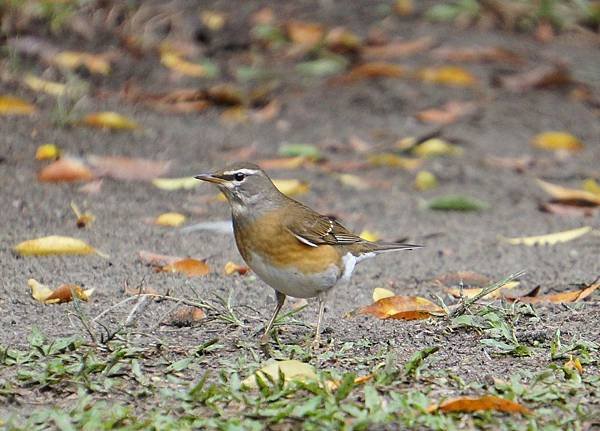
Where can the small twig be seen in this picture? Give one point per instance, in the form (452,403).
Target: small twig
(464,305)
(137,309)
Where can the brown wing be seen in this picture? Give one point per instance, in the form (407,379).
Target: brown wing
(314,229)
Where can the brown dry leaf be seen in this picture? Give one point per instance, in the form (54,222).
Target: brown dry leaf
(128,169)
(304,33)
(233,268)
(225,94)
(559,298)
(186,315)
(53,245)
(474,291)
(570,196)
(563,209)
(188,266)
(372,70)
(398,48)
(549,239)
(10,105)
(47,152)
(66,169)
(403,308)
(448,113)
(181,101)
(393,160)
(61,294)
(555,141)
(454,76)
(71,60)
(474,404)
(170,219)
(554,75)
(342,41)
(477,54)
(109,121)
(287,163)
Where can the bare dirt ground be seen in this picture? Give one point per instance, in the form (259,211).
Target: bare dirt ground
(314,111)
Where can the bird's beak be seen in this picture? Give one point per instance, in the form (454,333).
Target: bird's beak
(211,178)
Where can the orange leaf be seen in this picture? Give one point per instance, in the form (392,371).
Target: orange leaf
(65,169)
(304,33)
(109,120)
(156,259)
(559,298)
(124,168)
(398,48)
(373,70)
(554,75)
(554,141)
(65,292)
(402,307)
(190,267)
(474,404)
(10,105)
(447,75)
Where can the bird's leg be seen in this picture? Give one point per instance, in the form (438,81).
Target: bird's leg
(317,340)
(280,297)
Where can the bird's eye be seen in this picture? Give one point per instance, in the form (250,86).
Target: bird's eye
(239,176)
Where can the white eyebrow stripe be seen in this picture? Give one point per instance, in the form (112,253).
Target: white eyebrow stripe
(241,171)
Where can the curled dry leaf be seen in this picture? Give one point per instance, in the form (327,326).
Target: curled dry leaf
(169,184)
(233,268)
(10,105)
(180,101)
(63,293)
(188,266)
(544,76)
(556,141)
(402,308)
(156,259)
(170,219)
(47,152)
(474,404)
(570,196)
(484,54)
(448,113)
(380,293)
(453,76)
(67,169)
(291,369)
(54,245)
(125,168)
(186,315)
(559,298)
(549,239)
(567,209)
(109,120)
(398,48)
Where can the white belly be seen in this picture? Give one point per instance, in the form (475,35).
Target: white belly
(292,282)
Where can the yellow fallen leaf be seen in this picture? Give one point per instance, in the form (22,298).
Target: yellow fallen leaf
(184,183)
(44,86)
(393,160)
(436,147)
(559,298)
(425,180)
(549,239)
(473,404)
(569,195)
(447,75)
(368,235)
(574,363)
(47,152)
(292,370)
(95,63)
(109,120)
(591,186)
(402,308)
(554,141)
(170,219)
(380,293)
(471,292)
(233,268)
(175,62)
(10,105)
(63,293)
(213,20)
(305,33)
(53,245)
(353,181)
(39,291)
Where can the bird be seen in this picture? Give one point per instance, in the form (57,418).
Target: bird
(292,248)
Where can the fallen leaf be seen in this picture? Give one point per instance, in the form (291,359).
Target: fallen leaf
(288,163)
(66,169)
(567,209)
(554,141)
(156,259)
(543,76)
(47,152)
(61,294)
(590,185)
(179,101)
(570,196)
(402,307)
(291,369)
(398,48)
(372,70)
(186,315)
(266,113)
(574,363)
(128,169)
(484,54)
(448,113)
(322,66)
(456,203)
(177,63)
(353,181)
(170,184)
(10,105)
(71,60)
(235,115)
(393,160)
(342,41)
(368,235)
(447,75)
(44,86)
(213,20)
(518,164)
(53,245)
(425,180)
(93,187)
(559,298)
(549,239)
(380,293)
(474,404)
(226,94)
(190,267)
(233,268)
(304,33)
(170,219)
(308,151)
(436,147)
(109,120)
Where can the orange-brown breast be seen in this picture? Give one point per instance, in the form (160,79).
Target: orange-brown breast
(268,238)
